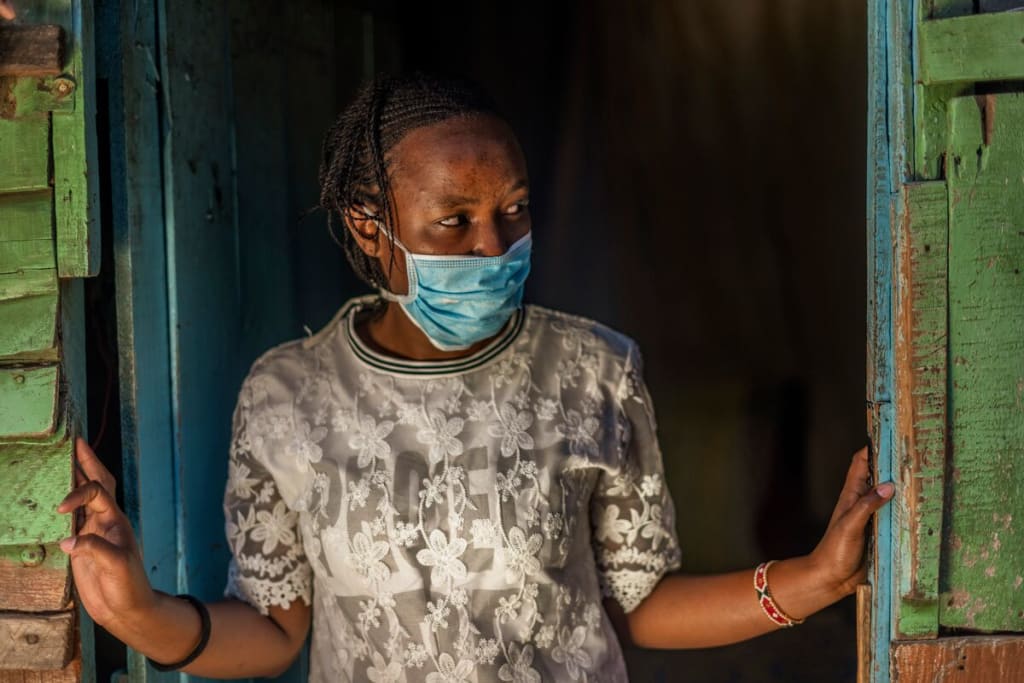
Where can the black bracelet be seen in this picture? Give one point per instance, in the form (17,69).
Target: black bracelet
(204,637)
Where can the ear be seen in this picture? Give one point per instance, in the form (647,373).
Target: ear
(361,221)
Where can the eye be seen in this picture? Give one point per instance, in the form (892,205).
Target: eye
(518,208)
(454,221)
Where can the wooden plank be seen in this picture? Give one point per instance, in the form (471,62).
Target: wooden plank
(203,291)
(140,275)
(26,283)
(920,376)
(27,95)
(26,216)
(864,645)
(977,659)
(31,49)
(30,328)
(28,402)
(28,316)
(983,537)
(25,148)
(881,182)
(38,642)
(980,47)
(35,578)
(75,174)
(36,477)
(26,255)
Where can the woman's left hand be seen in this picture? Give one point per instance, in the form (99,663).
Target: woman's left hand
(839,557)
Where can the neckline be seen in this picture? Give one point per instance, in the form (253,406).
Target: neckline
(428,368)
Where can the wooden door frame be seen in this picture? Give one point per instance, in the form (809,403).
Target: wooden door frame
(915,66)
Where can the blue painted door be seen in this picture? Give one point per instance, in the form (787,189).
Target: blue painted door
(216,110)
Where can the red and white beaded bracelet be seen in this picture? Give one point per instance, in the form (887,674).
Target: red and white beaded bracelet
(764,597)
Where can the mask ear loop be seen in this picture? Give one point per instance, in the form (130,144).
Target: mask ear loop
(410,265)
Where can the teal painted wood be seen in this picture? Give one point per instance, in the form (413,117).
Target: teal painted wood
(887,161)
(127,50)
(203,281)
(210,351)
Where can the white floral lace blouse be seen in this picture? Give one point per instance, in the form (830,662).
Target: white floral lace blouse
(451,521)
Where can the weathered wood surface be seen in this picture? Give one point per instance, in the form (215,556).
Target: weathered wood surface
(983,539)
(27,95)
(28,401)
(881,184)
(24,146)
(976,659)
(28,316)
(920,380)
(75,172)
(36,477)
(39,642)
(31,49)
(201,238)
(864,644)
(981,47)
(34,578)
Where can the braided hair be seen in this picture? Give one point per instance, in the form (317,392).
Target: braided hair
(354,164)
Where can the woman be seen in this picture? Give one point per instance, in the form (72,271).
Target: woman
(449,485)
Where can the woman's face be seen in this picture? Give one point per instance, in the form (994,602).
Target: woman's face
(459,187)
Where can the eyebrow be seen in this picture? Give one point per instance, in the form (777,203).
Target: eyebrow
(449,201)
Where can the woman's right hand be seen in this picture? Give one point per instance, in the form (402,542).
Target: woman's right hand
(105,559)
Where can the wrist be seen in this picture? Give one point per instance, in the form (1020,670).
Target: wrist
(822,576)
(135,618)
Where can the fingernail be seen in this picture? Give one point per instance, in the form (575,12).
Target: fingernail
(68,544)
(885,490)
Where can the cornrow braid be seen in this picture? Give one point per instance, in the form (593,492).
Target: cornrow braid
(354,163)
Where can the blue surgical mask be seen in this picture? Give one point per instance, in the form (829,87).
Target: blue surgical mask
(458,301)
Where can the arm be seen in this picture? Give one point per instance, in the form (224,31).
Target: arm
(706,611)
(111,583)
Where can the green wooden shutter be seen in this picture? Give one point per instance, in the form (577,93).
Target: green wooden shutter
(948,288)
(48,238)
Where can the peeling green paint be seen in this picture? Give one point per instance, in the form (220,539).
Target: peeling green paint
(983,541)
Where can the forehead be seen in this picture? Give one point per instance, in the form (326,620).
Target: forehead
(476,154)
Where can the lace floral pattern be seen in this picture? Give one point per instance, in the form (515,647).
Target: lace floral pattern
(457,521)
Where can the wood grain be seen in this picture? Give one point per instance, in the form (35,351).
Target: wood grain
(980,47)
(37,642)
(29,585)
(24,148)
(75,165)
(31,49)
(864,645)
(982,576)
(28,401)
(976,659)
(36,477)
(920,379)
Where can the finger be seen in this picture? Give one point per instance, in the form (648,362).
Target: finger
(92,467)
(93,497)
(6,11)
(855,486)
(97,548)
(858,473)
(856,518)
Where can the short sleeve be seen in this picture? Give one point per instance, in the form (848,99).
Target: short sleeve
(631,509)
(268,566)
